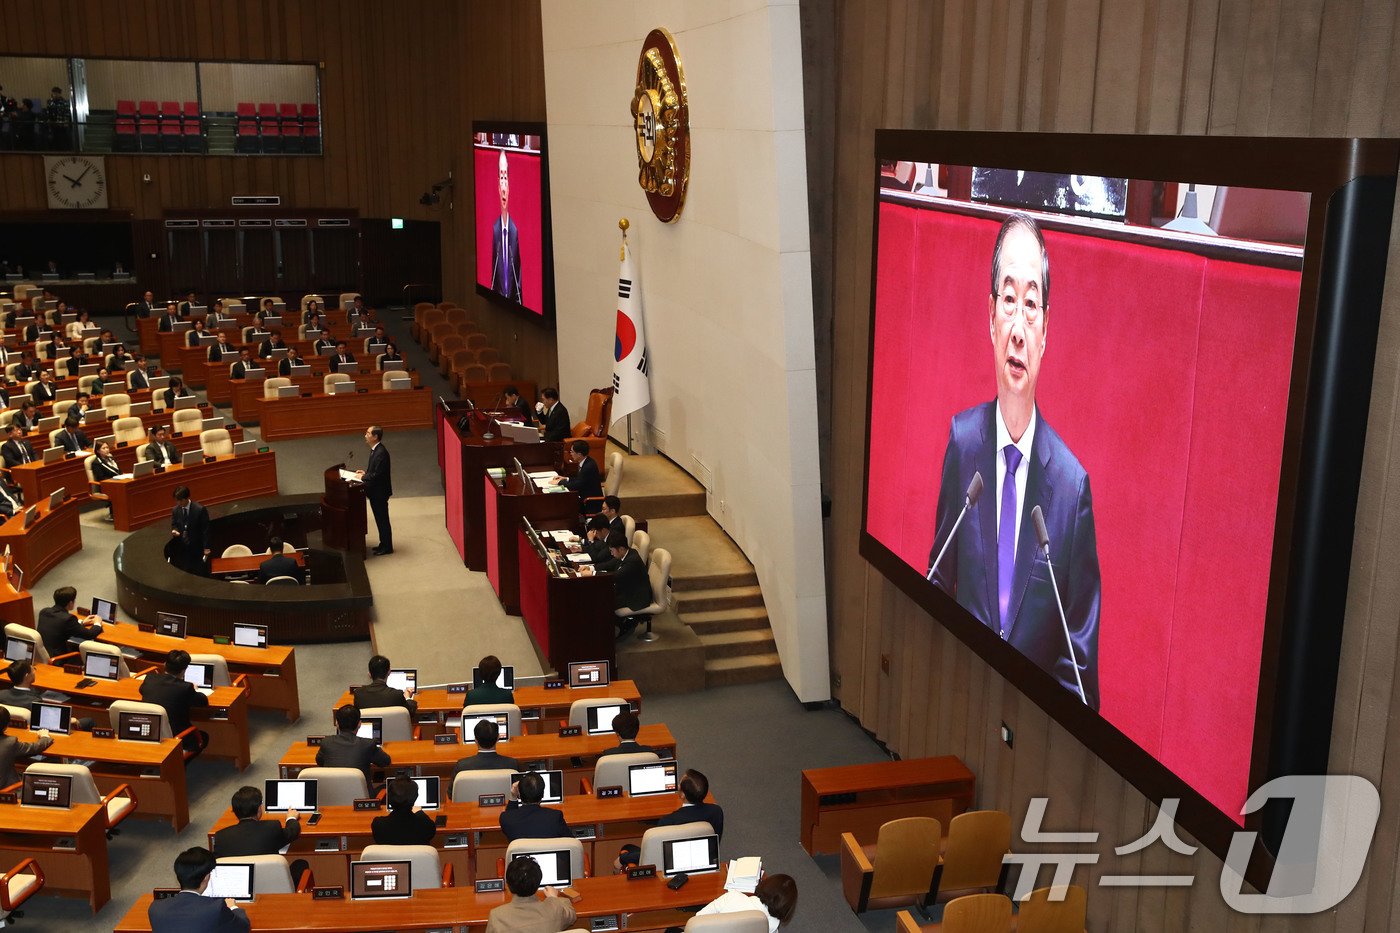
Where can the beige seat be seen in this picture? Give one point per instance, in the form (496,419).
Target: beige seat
(270,386)
(426,870)
(895,872)
(25,633)
(238,550)
(510,709)
(578,710)
(18,885)
(659,575)
(248,332)
(141,450)
(396,380)
(283,581)
(117,805)
(347,299)
(60,409)
(94,487)
(467,786)
(216,442)
(629,527)
(85,382)
(612,480)
(972,861)
(17,713)
(271,873)
(611,770)
(743,921)
(332,378)
(6,416)
(654,837)
(118,403)
(220,663)
(128,431)
(287,548)
(336,787)
(42,348)
(574,846)
(397,726)
(112,651)
(307,299)
(641,543)
(186,420)
(53,436)
(1057,909)
(151,709)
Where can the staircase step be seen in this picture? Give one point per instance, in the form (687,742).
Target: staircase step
(735,644)
(749,619)
(685,584)
(727,597)
(725,672)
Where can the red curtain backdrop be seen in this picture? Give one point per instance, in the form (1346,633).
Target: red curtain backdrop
(525,211)
(1168,376)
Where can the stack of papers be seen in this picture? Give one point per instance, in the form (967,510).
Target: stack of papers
(580,558)
(744,874)
(562,535)
(544,478)
(349,477)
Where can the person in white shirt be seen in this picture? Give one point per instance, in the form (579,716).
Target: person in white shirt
(775,897)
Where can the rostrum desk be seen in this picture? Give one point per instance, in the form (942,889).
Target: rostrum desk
(507,503)
(54,535)
(347,413)
(142,500)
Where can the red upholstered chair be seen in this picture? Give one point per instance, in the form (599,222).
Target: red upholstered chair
(171,133)
(193,127)
(270,127)
(148,126)
(499,372)
(246,138)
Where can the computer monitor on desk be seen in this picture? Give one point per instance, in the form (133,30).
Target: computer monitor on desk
(45,790)
(405,679)
(553,784)
(588,673)
(201,675)
(138,727)
(171,623)
(695,856)
(18,649)
(247,635)
(502,721)
(101,666)
(600,718)
(429,791)
(555,865)
(279,795)
(231,879)
(371,727)
(54,717)
(658,777)
(381,880)
(104,609)
(520,433)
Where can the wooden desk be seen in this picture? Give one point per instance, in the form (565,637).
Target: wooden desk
(650,906)
(16,605)
(544,704)
(246,394)
(859,799)
(228,566)
(155,771)
(142,500)
(569,618)
(287,418)
(506,505)
(225,719)
(70,845)
(54,535)
(271,671)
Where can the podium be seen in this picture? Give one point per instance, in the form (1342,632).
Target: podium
(569,617)
(343,513)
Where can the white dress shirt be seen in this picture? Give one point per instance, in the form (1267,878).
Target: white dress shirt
(1023,469)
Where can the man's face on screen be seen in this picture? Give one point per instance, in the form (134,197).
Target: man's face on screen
(503,181)
(1018,322)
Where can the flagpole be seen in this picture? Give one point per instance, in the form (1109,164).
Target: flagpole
(622,225)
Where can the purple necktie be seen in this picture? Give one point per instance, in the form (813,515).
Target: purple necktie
(1006,535)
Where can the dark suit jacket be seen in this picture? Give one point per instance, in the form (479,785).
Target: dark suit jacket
(12,749)
(532,821)
(489,693)
(192,337)
(216,352)
(176,695)
(627,748)
(267,346)
(403,828)
(145,308)
(588,481)
(285,364)
(378,478)
(1057,483)
(42,392)
(105,469)
(505,261)
(192,912)
(254,837)
(10,452)
(170,396)
(156,448)
(378,694)
(194,531)
(167,323)
(280,565)
(18,697)
(347,360)
(74,441)
(239,369)
(632,589)
(710,813)
(485,761)
(57,625)
(350,751)
(323,343)
(139,380)
(556,424)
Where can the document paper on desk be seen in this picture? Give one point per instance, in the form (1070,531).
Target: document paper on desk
(349,477)
(744,874)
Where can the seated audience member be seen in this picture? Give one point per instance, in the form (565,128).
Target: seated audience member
(82,402)
(377,693)
(524,818)
(517,407)
(99,385)
(358,311)
(219,347)
(147,305)
(168,319)
(626,724)
(487,692)
(73,330)
(17,450)
(293,358)
(404,824)
(553,416)
(525,912)
(775,896)
(633,587)
(28,416)
(11,499)
(314,322)
(313,310)
(190,911)
(378,341)
(323,343)
(274,341)
(169,689)
(586,481)
(59,622)
(73,438)
(240,367)
(486,757)
(21,692)
(187,306)
(139,378)
(694,787)
(280,565)
(268,309)
(105,466)
(390,354)
(345,749)
(253,835)
(12,748)
(595,539)
(160,449)
(612,511)
(119,360)
(44,390)
(32,332)
(343,358)
(177,389)
(195,333)
(217,313)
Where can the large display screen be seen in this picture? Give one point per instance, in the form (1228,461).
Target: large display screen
(514,265)
(1085,421)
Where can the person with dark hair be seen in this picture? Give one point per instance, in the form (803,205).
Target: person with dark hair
(389,353)
(487,691)
(217,349)
(17,449)
(253,835)
(553,416)
(105,466)
(345,749)
(775,897)
(279,565)
(176,389)
(379,487)
(595,539)
(118,359)
(139,380)
(626,725)
(43,391)
(169,690)
(587,481)
(612,511)
(377,693)
(147,305)
(160,449)
(693,790)
(524,818)
(191,912)
(194,335)
(166,325)
(189,533)
(12,748)
(343,358)
(239,368)
(323,343)
(486,758)
(27,417)
(405,824)
(629,856)
(517,407)
(633,587)
(525,912)
(293,358)
(58,623)
(274,341)
(73,439)
(21,692)
(187,306)
(378,342)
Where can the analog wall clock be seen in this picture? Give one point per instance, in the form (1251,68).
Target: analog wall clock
(76,182)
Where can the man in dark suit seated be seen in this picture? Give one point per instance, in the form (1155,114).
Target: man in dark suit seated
(280,565)
(169,690)
(486,757)
(404,824)
(187,306)
(219,347)
(323,343)
(486,690)
(378,342)
(343,359)
(168,319)
(633,588)
(253,835)
(612,511)
(285,364)
(377,693)
(147,305)
(176,389)
(43,391)
(160,449)
(72,438)
(11,499)
(627,724)
(586,481)
(17,450)
(21,692)
(139,379)
(240,367)
(190,911)
(274,341)
(524,818)
(28,367)
(58,623)
(345,749)
(516,407)
(595,539)
(554,416)
(195,333)
(694,788)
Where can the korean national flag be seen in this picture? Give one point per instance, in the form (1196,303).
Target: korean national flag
(632,390)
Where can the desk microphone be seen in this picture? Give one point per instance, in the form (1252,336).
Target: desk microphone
(974,489)
(1043,536)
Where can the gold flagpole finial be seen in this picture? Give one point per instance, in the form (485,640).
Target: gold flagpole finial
(622,225)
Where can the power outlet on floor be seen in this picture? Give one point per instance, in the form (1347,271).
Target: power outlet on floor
(885,663)
(1007,735)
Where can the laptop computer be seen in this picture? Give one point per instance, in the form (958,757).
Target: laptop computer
(143,468)
(255,372)
(342,388)
(247,635)
(696,855)
(57,496)
(172,623)
(403,678)
(588,673)
(66,395)
(381,880)
(555,866)
(54,454)
(138,727)
(140,408)
(520,433)
(429,791)
(201,675)
(505,680)
(49,424)
(95,416)
(241,448)
(102,666)
(658,777)
(104,609)
(18,649)
(55,717)
(501,720)
(281,795)
(46,790)
(288,391)
(600,718)
(391,365)
(372,728)
(301,369)
(191,457)
(553,784)
(231,880)
(209,424)
(186,401)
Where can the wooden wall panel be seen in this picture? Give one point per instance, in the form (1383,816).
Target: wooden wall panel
(1267,67)
(223,85)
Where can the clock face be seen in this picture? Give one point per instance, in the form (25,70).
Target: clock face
(75,182)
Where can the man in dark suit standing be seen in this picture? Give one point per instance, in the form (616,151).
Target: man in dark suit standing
(161,450)
(279,565)
(554,416)
(190,911)
(58,623)
(377,693)
(586,481)
(253,835)
(486,757)
(627,724)
(345,749)
(169,690)
(694,788)
(379,486)
(189,527)
(994,566)
(505,243)
(524,818)
(17,450)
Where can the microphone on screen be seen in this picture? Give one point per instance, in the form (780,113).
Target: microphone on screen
(974,489)
(1043,537)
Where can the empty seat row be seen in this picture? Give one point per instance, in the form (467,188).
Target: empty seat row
(265,128)
(150,128)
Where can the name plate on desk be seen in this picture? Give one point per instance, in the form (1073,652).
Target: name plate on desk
(607,793)
(554,685)
(160,894)
(490,885)
(445,738)
(328,892)
(369,803)
(9,798)
(100,733)
(485,800)
(641,871)
(456,688)
(567,732)
(314,741)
